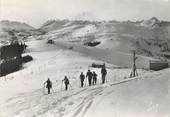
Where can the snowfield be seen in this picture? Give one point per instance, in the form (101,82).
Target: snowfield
(117,58)
(84,31)
(24,95)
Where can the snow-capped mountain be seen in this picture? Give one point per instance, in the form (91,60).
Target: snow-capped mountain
(151,22)
(21,30)
(23,93)
(53,25)
(14,25)
(148,38)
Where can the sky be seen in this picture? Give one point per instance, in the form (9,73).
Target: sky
(36,12)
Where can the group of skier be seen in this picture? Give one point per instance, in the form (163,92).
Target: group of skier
(91,76)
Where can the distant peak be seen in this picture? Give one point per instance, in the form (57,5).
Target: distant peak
(15,25)
(155,19)
(151,22)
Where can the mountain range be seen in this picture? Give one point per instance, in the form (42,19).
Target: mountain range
(148,37)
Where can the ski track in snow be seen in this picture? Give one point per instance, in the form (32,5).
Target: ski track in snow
(52,101)
(87,102)
(77,102)
(37,104)
(24,103)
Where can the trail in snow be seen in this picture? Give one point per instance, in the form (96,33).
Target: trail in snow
(120,96)
(78,101)
(26,102)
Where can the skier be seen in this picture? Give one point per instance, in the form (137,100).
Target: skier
(89,75)
(66,82)
(82,77)
(49,85)
(94,78)
(103,73)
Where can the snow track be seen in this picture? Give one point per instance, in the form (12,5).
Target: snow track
(24,103)
(23,95)
(77,101)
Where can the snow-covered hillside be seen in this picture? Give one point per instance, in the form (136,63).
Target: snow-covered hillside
(5,24)
(21,30)
(24,95)
(147,39)
(150,23)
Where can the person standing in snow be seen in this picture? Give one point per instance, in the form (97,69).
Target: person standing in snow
(103,73)
(89,75)
(94,78)
(82,77)
(66,82)
(49,85)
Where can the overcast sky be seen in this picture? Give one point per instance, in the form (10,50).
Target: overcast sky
(36,12)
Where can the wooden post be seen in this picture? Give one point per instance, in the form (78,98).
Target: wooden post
(134,70)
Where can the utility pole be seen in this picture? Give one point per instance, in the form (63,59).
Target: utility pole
(134,70)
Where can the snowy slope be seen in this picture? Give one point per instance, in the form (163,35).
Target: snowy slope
(132,98)
(25,96)
(151,22)
(145,38)
(111,56)
(21,30)
(5,24)
(84,31)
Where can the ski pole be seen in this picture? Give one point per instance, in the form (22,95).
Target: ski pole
(70,86)
(52,90)
(79,82)
(86,81)
(61,85)
(106,79)
(44,89)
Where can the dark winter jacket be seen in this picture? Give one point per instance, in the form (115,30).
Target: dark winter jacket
(103,71)
(89,74)
(94,75)
(82,77)
(49,84)
(66,80)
